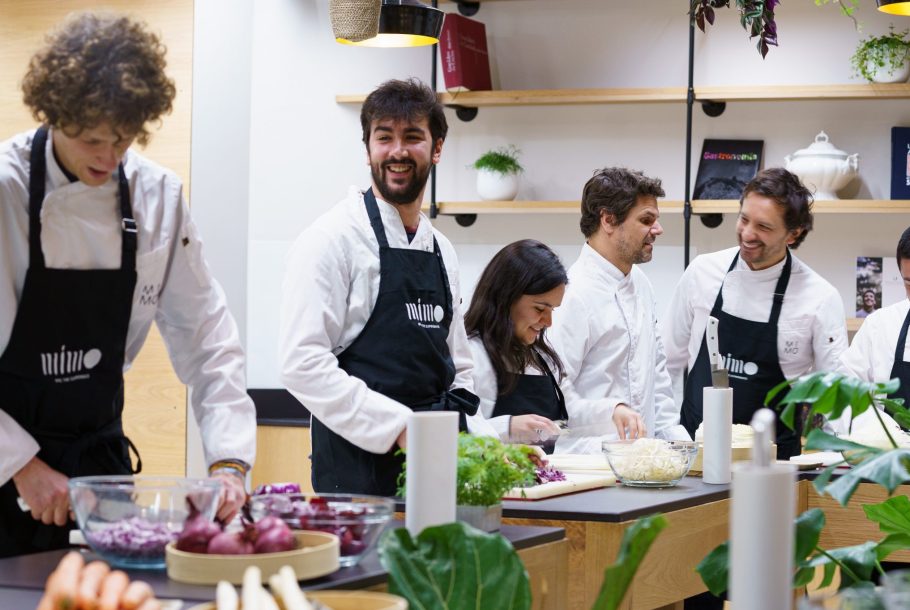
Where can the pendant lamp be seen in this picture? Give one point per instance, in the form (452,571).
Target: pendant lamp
(354,20)
(404,23)
(894,7)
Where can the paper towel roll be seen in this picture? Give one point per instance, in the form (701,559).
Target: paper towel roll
(717,419)
(761,536)
(432,453)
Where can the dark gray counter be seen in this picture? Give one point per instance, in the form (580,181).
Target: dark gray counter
(22,578)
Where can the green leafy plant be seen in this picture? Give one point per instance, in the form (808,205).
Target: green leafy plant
(756,17)
(487,469)
(457,567)
(503,160)
(889,51)
(829,394)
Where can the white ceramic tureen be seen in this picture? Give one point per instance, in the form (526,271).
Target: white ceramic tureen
(822,167)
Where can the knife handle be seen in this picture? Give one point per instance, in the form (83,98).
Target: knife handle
(713,343)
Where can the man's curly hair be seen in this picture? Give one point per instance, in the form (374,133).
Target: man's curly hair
(99,68)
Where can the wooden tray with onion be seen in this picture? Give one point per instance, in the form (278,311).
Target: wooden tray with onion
(342,600)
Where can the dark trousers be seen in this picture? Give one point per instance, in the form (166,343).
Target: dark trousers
(704,601)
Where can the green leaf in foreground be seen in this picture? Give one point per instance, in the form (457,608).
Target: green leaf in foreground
(714,569)
(636,541)
(892,515)
(454,567)
(888,469)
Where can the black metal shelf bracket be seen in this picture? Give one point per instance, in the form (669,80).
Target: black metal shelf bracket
(468,8)
(712,108)
(465,113)
(712,221)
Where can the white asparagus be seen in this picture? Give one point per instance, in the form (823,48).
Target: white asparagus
(275,588)
(291,595)
(226,597)
(252,585)
(266,601)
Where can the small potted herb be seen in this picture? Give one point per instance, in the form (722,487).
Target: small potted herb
(497,174)
(883,59)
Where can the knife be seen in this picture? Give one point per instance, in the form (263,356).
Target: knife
(719,377)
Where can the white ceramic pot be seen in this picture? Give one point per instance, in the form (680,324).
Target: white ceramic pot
(886,74)
(822,167)
(494,186)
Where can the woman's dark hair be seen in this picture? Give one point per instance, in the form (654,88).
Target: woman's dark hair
(903,247)
(410,100)
(788,192)
(523,267)
(614,191)
(99,68)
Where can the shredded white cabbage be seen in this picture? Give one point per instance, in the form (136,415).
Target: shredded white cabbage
(647,459)
(742,434)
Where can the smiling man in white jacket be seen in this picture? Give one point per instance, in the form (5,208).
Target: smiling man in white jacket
(616,382)
(371,318)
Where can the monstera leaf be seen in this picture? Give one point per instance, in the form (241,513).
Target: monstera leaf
(454,567)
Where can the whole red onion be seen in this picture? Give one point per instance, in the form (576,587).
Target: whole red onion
(197,531)
(230,543)
(275,539)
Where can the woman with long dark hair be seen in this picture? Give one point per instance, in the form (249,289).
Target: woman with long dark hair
(516,372)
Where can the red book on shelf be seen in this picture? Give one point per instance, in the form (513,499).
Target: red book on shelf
(463,48)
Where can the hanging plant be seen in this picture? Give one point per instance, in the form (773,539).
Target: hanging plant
(756,17)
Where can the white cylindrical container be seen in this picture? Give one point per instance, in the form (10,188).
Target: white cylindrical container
(717,422)
(762,531)
(432,453)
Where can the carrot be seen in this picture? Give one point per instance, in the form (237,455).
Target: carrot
(112,589)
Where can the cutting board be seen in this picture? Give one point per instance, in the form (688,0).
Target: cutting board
(580,463)
(574,482)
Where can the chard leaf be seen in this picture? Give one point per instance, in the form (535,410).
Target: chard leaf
(454,567)
(636,541)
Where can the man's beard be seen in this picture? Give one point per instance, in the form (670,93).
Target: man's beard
(401,195)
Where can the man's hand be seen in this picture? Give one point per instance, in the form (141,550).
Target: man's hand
(44,490)
(233,495)
(628,422)
(531,429)
(94,586)
(402,440)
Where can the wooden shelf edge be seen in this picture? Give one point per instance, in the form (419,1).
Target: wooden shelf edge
(731,206)
(768,93)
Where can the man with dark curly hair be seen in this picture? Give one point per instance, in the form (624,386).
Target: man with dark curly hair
(97,243)
(778,319)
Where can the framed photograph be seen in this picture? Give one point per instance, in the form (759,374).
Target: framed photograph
(868,285)
(725,167)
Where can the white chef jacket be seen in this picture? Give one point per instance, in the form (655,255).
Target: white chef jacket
(330,288)
(486,387)
(812,330)
(605,332)
(870,356)
(174,288)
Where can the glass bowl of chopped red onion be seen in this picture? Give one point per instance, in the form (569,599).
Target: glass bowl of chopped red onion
(356,520)
(128,520)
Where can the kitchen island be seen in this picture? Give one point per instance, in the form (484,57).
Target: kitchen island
(542,549)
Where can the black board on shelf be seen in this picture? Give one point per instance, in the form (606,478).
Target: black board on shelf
(725,167)
(900,163)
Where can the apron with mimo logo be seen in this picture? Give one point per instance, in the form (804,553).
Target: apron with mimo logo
(900,368)
(61,374)
(749,350)
(401,353)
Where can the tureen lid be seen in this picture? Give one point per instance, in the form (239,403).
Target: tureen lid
(822,147)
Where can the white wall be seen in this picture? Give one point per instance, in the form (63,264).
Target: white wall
(306,150)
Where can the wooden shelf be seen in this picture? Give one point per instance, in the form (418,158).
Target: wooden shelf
(842,206)
(550,97)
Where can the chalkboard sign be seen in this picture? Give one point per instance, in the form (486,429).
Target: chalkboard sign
(725,167)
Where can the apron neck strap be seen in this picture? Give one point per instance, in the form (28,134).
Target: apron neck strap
(902,340)
(375,218)
(36,190)
(780,289)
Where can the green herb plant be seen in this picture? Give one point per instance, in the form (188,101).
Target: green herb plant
(889,51)
(829,394)
(503,160)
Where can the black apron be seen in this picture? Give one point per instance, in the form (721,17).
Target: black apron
(750,355)
(901,369)
(61,375)
(537,395)
(401,353)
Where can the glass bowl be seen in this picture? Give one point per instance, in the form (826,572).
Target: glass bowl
(128,520)
(356,520)
(649,462)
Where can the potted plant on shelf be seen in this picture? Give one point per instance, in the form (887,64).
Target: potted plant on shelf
(829,394)
(497,174)
(883,59)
